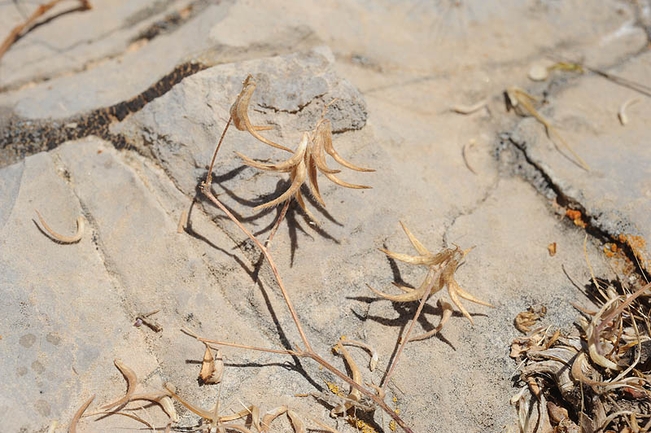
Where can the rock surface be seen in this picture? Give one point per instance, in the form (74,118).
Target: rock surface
(113,114)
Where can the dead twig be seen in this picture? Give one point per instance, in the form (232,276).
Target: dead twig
(79,413)
(62,239)
(21,29)
(132,381)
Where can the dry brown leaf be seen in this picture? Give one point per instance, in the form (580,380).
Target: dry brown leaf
(212,369)
(240,114)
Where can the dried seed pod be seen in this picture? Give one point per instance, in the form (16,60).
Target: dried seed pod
(212,369)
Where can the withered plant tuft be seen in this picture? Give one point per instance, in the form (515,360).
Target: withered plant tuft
(307,160)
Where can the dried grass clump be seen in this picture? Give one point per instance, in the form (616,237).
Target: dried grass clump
(596,380)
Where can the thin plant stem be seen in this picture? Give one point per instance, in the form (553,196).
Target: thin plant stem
(405,338)
(205,188)
(214,155)
(308,352)
(281,217)
(246,346)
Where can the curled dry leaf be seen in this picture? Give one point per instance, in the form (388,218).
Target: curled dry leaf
(447,310)
(621,114)
(240,114)
(354,395)
(270,416)
(212,369)
(79,413)
(192,408)
(297,422)
(441,268)
(374,355)
(526,319)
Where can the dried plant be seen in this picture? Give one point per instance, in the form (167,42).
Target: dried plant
(59,238)
(596,381)
(440,273)
(304,164)
(240,114)
(120,406)
(307,160)
(523,103)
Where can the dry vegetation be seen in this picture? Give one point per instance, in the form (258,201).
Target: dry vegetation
(304,166)
(596,379)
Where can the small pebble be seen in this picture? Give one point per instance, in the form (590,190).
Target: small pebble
(538,73)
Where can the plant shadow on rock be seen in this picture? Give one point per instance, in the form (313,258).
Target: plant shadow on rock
(289,216)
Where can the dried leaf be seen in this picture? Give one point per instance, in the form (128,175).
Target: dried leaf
(211,369)
(240,114)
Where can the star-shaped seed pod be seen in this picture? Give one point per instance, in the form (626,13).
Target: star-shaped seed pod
(308,159)
(441,268)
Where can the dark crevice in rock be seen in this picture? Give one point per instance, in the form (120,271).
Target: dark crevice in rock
(21,138)
(174,20)
(519,163)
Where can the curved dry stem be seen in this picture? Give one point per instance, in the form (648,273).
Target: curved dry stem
(374,355)
(79,413)
(63,239)
(345,184)
(445,316)
(428,286)
(270,416)
(240,114)
(323,139)
(192,408)
(22,29)
(298,175)
(285,166)
(132,381)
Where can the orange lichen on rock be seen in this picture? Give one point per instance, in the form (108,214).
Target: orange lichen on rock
(575,216)
(610,250)
(638,247)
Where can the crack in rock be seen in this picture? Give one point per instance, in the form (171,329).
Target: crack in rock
(513,156)
(21,138)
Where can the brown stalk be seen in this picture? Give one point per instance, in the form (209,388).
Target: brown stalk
(59,238)
(308,352)
(405,338)
(22,29)
(79,413)
(132,381)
